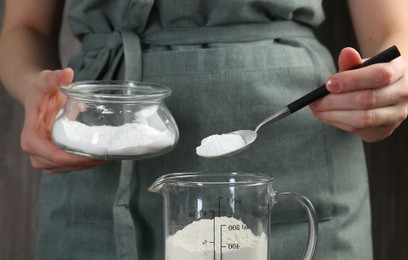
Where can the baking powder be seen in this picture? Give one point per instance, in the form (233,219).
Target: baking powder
(129,139)
(223,238)
(216,145)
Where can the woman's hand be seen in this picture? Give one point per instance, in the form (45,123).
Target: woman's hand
(42,104)
(370,102)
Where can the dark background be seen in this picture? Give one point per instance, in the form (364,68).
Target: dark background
(386,161)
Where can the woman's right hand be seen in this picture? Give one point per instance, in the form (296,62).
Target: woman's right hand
(42,103)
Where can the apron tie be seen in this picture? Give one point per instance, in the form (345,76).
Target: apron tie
(124,227)
(133,55)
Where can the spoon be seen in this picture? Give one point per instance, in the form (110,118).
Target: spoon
(249,136)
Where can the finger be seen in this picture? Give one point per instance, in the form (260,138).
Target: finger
(374,76)
(65,169)
(375,134)
(52,79)
(49,167)
(349,58)
(362,119)
(45,148)
(369,135)
(364,99)
(40,163)
(65,77)
(59,157)
(368,98)
(80,162)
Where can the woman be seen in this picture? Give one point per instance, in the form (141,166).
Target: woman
(216,56)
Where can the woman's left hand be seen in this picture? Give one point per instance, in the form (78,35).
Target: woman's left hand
(370,102)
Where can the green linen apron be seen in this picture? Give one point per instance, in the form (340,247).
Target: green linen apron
(229,63)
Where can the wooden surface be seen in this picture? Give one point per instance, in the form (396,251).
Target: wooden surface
(387,163)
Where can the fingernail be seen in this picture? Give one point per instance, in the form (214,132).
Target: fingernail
(333,85)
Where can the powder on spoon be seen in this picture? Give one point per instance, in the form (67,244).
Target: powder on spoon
(216,145)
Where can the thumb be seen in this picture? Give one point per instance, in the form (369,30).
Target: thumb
(348,59)
(65,76)
(51,80)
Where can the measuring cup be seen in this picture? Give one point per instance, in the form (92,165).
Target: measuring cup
(223,215)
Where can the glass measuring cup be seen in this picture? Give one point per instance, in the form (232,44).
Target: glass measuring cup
(222,215)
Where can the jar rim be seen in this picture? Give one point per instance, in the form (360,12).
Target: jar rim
(116,91)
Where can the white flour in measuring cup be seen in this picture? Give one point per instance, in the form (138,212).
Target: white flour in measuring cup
(128,139)
(233,239)
(216,145)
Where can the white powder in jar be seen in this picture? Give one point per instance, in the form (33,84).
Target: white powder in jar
(216,145)
(233,241)
(129,139)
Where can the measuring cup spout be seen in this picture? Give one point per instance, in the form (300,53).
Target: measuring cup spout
(172,179)
(158,185)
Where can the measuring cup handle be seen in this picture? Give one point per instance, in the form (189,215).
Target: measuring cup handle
(312,221)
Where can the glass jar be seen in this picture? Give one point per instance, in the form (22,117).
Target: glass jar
(115,120)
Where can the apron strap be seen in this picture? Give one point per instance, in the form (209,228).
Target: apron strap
(233,33)
(133,55)
(123,225)
(126,236)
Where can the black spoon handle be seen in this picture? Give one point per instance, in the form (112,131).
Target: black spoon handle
(385,56)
